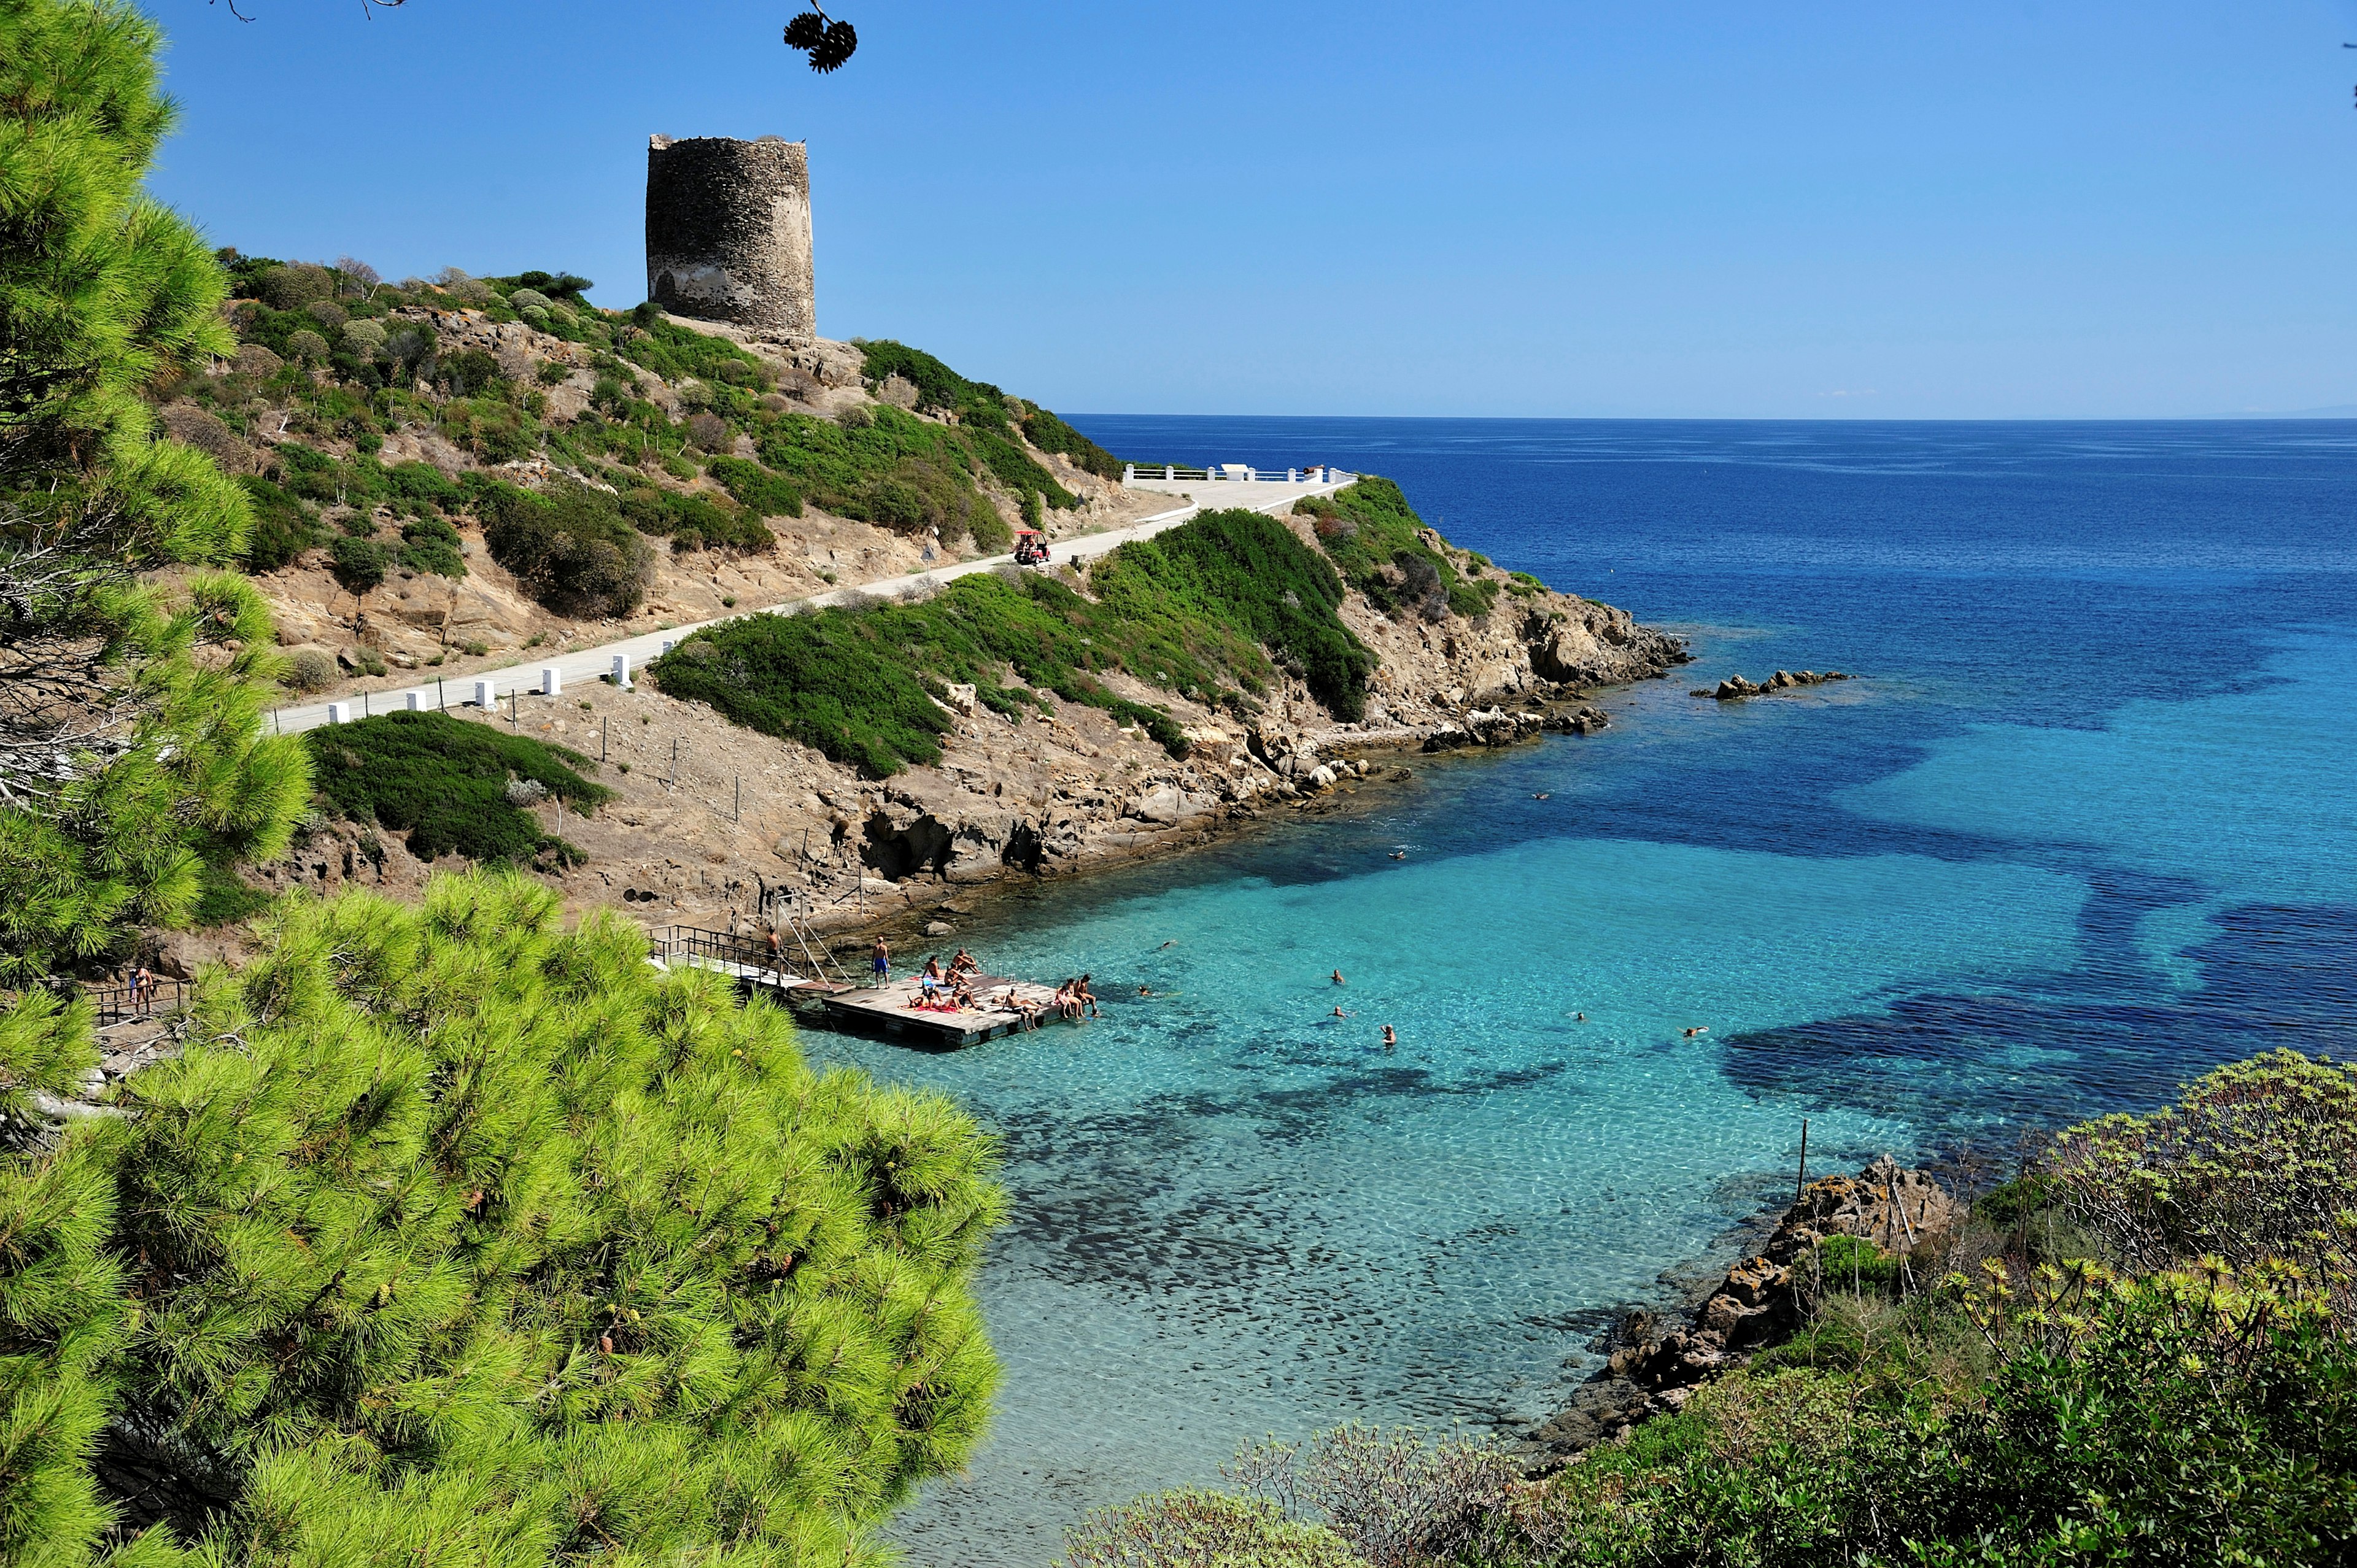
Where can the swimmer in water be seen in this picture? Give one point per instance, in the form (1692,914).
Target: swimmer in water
(1338,978)
(1171,943)
(1579,1017)
(1338,1013)
(1399,854)
(1145,991)
(1391,1036)
(1701,1029)
(1543,794)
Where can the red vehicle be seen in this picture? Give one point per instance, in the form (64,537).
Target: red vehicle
(1030,547)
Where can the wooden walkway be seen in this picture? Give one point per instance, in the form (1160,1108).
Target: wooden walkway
(890,1009)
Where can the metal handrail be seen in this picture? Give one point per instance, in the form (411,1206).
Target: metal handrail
(121,1003)
(694,941)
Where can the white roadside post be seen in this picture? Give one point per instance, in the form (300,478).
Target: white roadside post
(551,681)
(413,700)
(339,713)
(484,696)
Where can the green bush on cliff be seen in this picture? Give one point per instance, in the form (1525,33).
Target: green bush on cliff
(1049,434)
(1248,573)
(1196,610)
(570,548)
(984,420)
(457,1237)
(444,782)
(1373,538)
(763,493)
(855,682)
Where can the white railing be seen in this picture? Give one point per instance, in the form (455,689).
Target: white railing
(1133,472)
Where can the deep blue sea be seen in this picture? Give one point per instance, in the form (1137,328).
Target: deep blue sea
(2087,826)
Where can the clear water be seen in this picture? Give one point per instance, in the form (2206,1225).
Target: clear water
(2089,825)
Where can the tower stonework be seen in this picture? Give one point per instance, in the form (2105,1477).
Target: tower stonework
(728,232)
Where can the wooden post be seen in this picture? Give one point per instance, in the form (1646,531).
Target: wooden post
(440,701)
(601,738)
(739,812)
(1802,1181)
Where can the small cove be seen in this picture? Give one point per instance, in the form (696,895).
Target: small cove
(2076,834)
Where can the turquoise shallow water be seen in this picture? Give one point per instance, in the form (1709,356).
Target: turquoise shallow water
(2085,828)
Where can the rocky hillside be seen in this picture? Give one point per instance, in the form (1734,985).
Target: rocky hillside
(450,472)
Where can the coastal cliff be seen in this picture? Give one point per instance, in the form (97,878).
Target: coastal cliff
(779,467)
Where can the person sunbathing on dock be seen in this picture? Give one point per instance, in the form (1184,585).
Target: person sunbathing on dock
(965,963)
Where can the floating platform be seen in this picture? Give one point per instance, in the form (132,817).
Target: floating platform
(890,1009)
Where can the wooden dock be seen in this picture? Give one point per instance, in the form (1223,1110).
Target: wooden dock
(890,1009)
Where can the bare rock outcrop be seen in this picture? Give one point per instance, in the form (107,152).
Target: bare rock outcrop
(1736,687)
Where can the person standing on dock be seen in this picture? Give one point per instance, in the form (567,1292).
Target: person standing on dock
(777,951)
(882,953)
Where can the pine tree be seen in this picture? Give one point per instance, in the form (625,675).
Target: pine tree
(455,1237)
(131,744)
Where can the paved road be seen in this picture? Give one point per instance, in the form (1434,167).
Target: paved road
(584,664)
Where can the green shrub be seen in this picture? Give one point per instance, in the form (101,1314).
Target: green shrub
(694,523)
(1372,535)
(359,563)
(308,670)
(468,371)
(225,899)
(1015,468)
(307,345)
(422,485)
(986,527)
(1855,1264)
(1188,609)
(825,679)
(1049,434)
(674,351)
(982,412)
(283,528)
(293,288)
(763,493)
(2257,1160)
(1196,1529)
(570,548)
(364,338)
(444,782)
(1248,573)
(430,544)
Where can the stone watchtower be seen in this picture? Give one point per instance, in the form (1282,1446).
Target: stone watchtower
(728,232)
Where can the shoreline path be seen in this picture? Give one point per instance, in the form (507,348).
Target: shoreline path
(593,663)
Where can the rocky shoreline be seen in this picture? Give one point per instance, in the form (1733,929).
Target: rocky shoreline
(1761,1301)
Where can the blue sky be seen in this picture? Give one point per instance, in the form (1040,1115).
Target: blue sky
(2062,208)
